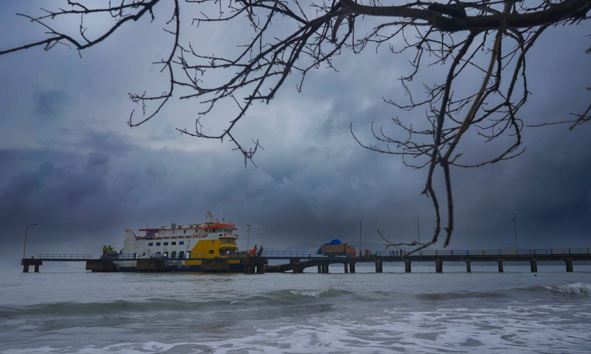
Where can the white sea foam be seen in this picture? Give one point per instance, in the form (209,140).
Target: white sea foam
(575,288)
(344,314)
(516,329)
(309,292)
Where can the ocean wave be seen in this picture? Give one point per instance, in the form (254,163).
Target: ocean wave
(575,288)
(151,305)
(105,308)
(312,293)
(295,294)
(461,295)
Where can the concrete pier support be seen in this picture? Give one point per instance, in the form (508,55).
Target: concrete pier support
(352,267)
(468,266)
(569,265)
(379,267)
(533,265)
(252,265)
(438,266)
(326,271)
(295,265)
(407,266)
(26,262)
(319,269)
(500,263)
(346,268)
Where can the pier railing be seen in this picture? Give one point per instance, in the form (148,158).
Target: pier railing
(64,256)
(499,252)
(493,252)
(291,254)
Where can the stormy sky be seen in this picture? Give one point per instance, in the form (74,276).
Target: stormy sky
(70,163)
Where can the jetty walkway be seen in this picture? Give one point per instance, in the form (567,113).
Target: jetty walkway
(298,261)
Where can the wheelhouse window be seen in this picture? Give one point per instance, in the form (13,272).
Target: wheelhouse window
(181,242)
(165,243)
(157,243)
(151,244)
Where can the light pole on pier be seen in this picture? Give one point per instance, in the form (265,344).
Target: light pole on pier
(515,231)
(360,228)
(419,233)
(248,236)
(26,230)
(419,229)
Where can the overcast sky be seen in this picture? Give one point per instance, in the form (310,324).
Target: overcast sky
(70,163)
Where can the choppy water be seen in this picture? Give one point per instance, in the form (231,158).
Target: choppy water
(68,310)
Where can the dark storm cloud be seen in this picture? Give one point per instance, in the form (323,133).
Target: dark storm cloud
(50,102)
(85,178)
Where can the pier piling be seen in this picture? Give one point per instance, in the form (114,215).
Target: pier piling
(438,266)
(379,267)
(569,265)
(352,267)
(500,263)
(533,265)
(407,266)
(468,266)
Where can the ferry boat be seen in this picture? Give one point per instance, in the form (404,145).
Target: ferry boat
(209,246)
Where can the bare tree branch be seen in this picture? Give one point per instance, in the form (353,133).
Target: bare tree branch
(487,41)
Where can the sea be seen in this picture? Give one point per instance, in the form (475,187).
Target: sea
(69,310)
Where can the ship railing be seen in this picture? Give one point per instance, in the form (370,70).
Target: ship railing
(128,256)
(65,256)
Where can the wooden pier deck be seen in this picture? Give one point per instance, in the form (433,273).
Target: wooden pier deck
(298,261)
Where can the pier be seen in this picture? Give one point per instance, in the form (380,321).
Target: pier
(300,261)
(297,262)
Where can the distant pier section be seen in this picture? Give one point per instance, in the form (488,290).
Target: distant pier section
(297,262)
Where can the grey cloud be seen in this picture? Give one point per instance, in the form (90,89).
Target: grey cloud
(95,179)
(50,103)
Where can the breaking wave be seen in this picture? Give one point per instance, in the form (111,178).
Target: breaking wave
(576,288)
(151,305)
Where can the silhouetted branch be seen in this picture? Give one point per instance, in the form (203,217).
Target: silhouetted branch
(483,40)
